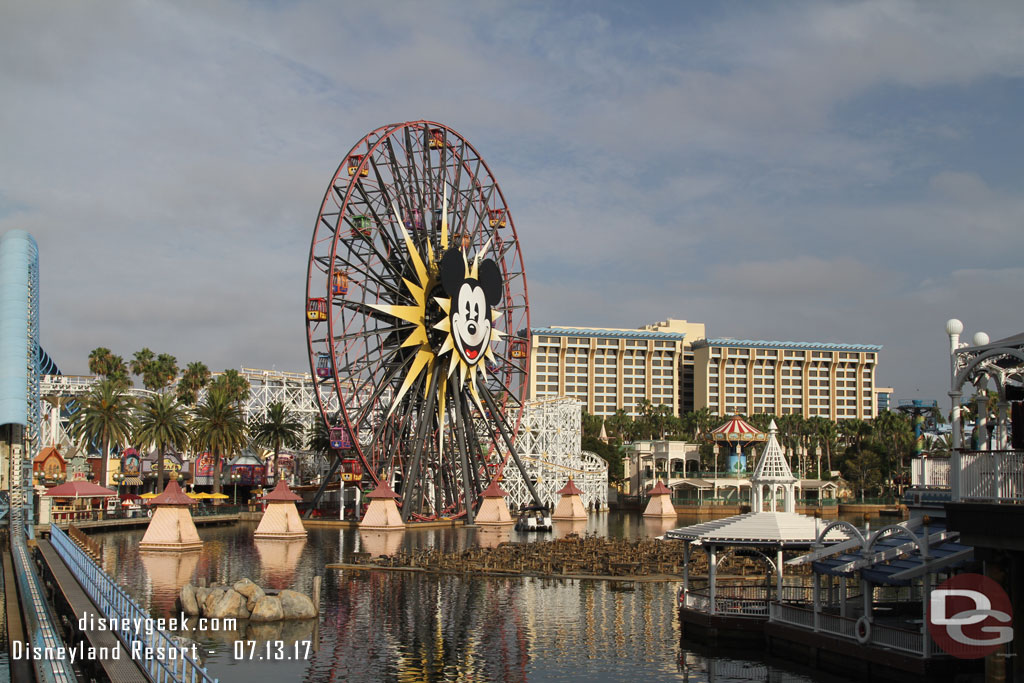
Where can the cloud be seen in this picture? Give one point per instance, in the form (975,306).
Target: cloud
(823,171)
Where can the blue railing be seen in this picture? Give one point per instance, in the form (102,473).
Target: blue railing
(115,603)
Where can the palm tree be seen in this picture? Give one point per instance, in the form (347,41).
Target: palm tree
(100,360)
(162,372)
(218,425)
(105,364)
(278,429)
(161,422)
(140,363)
(195,377)
(233,384)
(105,416)
(828,437)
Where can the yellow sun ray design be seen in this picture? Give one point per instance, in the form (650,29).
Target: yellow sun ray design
(426,360)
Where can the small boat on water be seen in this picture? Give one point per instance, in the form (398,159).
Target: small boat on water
(534,518)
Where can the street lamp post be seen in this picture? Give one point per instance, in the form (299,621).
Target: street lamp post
(236,477)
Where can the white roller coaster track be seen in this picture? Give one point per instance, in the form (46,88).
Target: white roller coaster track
(548,441)
(549,446)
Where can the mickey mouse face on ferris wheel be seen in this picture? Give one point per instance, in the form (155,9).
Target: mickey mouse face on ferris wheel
(471,302)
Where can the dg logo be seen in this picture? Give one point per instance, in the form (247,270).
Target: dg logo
(969,616)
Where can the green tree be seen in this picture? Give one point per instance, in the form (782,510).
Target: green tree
(161,372)
(609,453)
(105,415)
(105,364)
(235,387)
(279,429)
(218,426)
(863,471)
(590,425)
(827,434)
(620,423)
(161,422)
(193,379)
(141,361)
(100,360)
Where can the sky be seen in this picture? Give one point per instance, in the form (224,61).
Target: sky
(805,171)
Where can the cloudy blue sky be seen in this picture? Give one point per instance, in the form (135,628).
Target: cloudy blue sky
(807,171)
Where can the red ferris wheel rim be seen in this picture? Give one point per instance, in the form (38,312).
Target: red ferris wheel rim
(373,174)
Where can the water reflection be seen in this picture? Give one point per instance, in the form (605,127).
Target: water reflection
(563,528)
(396,626)
(379,543)
(168,572)
(492,537)
(656,526)
(278,561)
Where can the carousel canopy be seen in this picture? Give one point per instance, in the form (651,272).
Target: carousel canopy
(737,430)
(79,489)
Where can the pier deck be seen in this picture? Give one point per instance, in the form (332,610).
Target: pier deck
(72,603)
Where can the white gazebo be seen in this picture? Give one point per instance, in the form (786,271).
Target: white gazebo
(770,528)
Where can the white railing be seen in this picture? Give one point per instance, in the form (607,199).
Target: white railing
(698,601)
(794,616)
(844,627)
(992,476)
(929,472)
(836,625)
(727,606)
(896,639)
(741,607)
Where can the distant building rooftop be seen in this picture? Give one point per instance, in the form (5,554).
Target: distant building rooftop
(802,346)
(606,333)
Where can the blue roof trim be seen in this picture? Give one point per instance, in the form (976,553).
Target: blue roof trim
(606,334)
(805,346)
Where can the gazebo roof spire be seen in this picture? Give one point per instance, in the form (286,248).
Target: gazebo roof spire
(772,467)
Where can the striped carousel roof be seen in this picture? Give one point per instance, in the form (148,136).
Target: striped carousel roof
(737,430)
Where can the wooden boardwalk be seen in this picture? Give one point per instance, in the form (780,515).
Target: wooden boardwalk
(71,604)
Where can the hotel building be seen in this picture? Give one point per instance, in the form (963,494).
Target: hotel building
(673,363)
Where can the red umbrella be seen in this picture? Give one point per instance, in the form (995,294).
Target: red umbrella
(79,489)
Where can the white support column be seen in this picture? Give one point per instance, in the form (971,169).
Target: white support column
(778,574)
(712,559)
(817,602)
(981,421)
(926,590)
(1002,441)
(955,460)
(686,570)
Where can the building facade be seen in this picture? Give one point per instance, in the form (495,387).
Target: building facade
(607,369)
(743,377)
(673,363)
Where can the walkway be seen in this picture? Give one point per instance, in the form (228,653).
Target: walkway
(72,603)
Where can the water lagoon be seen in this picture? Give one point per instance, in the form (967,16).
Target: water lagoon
(381,626)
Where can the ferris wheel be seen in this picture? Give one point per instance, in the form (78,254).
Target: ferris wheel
(417,319)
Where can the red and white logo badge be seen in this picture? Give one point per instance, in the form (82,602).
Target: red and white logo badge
(969,616)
